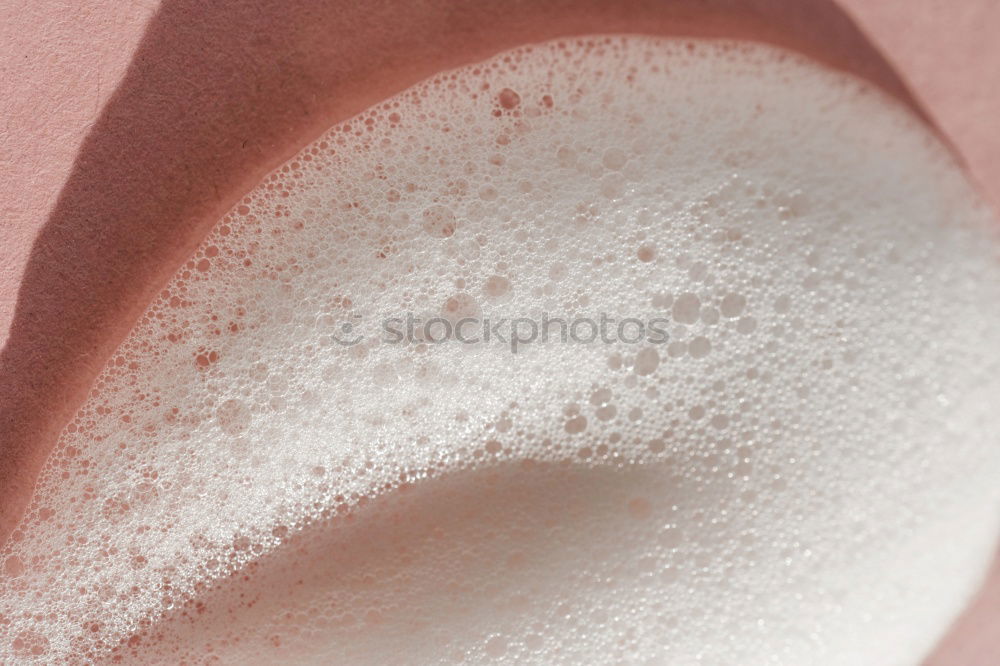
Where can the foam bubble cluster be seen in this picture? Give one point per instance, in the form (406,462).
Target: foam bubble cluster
(801,469)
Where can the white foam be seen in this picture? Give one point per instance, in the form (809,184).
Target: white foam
(804,473)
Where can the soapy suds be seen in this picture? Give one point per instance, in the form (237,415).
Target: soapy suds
(805,472)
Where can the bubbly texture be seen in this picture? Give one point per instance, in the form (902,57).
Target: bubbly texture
(787,455)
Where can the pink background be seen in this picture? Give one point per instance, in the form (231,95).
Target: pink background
(128,127)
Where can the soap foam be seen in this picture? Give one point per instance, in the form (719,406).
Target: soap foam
(805,472)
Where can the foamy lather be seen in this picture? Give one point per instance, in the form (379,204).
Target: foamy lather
(805,473)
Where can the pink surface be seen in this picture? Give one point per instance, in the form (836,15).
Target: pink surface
(128,128)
